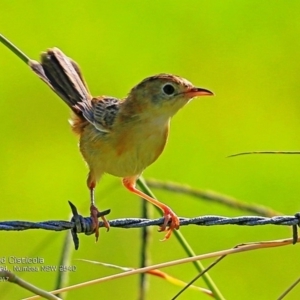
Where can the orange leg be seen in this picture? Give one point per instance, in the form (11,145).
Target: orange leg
(94,212)
(169,215)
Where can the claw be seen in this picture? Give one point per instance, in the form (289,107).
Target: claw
(169,215)
(105,223)
(95,223)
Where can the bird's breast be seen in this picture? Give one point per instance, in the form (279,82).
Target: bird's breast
(125,151)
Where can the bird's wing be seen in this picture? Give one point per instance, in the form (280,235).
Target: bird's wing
(100,111)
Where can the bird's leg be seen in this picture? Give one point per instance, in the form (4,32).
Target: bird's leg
(94,211)
(169,215)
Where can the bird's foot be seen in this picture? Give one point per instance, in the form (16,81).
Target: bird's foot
(95,223)
(169,215)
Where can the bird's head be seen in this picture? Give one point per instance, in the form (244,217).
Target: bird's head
(164,94)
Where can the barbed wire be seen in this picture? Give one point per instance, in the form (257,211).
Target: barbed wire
(80,224)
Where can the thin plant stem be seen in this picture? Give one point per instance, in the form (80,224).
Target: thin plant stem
(212,197)
(242,248)
(188,249)
(144,252)
(14,49)
(264,152)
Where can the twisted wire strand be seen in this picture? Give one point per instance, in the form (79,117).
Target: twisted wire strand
(80,224)
(208,220)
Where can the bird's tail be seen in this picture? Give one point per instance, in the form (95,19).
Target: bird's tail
(63,76)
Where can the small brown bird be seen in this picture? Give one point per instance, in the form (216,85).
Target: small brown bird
(119,137)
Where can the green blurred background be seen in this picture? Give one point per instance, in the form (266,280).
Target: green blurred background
(244,51)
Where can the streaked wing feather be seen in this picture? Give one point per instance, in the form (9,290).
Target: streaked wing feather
(100,112)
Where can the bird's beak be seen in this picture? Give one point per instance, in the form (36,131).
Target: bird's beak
(195,92)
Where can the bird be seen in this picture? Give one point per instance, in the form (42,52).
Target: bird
(119,137)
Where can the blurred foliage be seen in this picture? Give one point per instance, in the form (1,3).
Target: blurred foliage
(245,51)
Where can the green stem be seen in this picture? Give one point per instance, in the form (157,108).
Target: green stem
(14,49)
(188,249)
(212,196)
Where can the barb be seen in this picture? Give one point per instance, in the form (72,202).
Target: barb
(264,152)
(80,224)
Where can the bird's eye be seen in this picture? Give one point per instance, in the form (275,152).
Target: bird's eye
(168,89)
